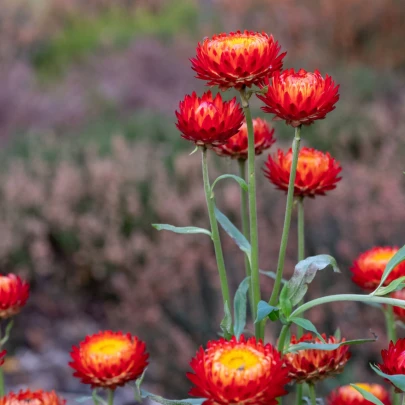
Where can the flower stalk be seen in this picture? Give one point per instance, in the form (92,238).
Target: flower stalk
(287,219)
(254,242)
(215,231)
(312,393)
(110,396)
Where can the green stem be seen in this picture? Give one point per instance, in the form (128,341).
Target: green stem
(245,224)
(347,297)
(299,394)
(312,393)
(403,399)
(390,324)
(254,242)
(282,337)
(215,232)
(301,248)
(110,396)
(2,388)
(287,219)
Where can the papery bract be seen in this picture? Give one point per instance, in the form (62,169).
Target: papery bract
(27,397)
(347,395)
(317,172)
(398,311)
(237,59)
(393,359)
(109,359)
(300,97)
(208,121)
(14,293)
(313,365)
(238,372)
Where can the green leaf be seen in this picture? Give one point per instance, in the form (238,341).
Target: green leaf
(304,273)
(307,325)
(265,310)
(226,323)
(193,151)
(395,260)
(184,229)
(239,307)
(7,333)
(242,183)
(367,395)
(272,275)
(164,401)
(285,302)
(137,388)
(337,334)
(397,284)
(397,379)
(326,346)
(233,232)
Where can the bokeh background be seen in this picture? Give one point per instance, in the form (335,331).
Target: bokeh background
(90,157)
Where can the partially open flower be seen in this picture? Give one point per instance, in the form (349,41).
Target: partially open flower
(208,121)
(237,146)
(14,293)
(244,372)
(314,365)
(27,397)
(317,172)
(369,267)
(300,97)
(393,359)
(237,59)
(398,311)
(347,395)
(109,359)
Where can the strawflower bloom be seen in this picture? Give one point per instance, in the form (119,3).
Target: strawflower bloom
(27,397)
(313,365)
(237,146)
(208,121)
(317,172)
(368,268)
(244,372)
(393,359)
(2,356)
(347,395)
(14,293)
(237,59)
(398,311)
(109,359)
(300,97)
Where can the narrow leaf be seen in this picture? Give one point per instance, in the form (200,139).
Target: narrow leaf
(397,379)
(164,401)
(305,272)
(264,310)
(240,306)
(137,388)
(395,260)
(184,229)
(272,275)
(337,334)
(233,232)
(367,395)
(226,323)
(285,302)
(193,151)
(242,183)
(326,346)
(397,284)
(307,325)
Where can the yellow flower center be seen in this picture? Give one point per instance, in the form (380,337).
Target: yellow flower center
(108,347)
(366,387)
(239,359)
(237,42)
(382,257)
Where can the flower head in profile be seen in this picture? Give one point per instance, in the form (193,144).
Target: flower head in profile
(237,146)
(312,365)
(347,395)
(244,372)
(237,59)
(27,397)
(109,359)
(299,98)
(369,267)
(317,172)
(393,359)
(208,121)
(14,293)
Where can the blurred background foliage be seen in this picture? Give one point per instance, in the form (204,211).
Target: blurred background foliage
(91,157)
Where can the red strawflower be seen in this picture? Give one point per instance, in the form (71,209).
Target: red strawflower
(2,355)
(208,121)
(317,172)
(237,146)
(14,293)
(347,395)
(27,397)
(393,359)
(237,59)
(109,359)
(300,97)
(244,372)
(313,365)
(398,311)
(369,267)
